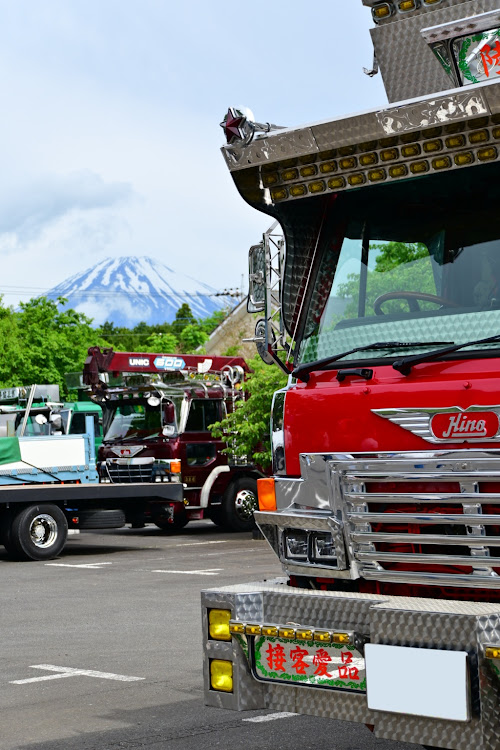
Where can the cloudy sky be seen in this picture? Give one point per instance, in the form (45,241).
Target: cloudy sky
(110,131)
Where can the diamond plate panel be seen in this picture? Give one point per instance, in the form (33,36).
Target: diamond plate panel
(420,623)
(450,626)
(409,68)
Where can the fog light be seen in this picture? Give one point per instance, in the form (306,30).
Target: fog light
(341,638)
(253,629)
(221,675)
(304,635)
(270,630)
(296,545)
(218,624)
(288,633)
(323,635)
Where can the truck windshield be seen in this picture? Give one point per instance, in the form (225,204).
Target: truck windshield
(132,420)
(422,264)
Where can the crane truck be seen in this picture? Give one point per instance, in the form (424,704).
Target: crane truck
(384,504)
(158,408)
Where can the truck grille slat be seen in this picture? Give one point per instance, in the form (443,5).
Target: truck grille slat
(434,499)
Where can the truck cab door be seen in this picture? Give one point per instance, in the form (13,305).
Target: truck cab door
(200,452)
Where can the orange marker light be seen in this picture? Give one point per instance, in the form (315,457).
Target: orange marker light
(267,494)
(175,466)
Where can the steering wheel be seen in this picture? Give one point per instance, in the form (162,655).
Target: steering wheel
(412,299)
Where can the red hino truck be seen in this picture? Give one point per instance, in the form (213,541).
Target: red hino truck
(384,505)
(157,409)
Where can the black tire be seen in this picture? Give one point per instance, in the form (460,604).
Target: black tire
(38,532)
(101,519)
(216,516)
(239,504)
(179,521)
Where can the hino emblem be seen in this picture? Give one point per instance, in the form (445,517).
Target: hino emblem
(448,425)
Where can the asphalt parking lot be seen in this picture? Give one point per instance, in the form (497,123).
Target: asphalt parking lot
(101,648)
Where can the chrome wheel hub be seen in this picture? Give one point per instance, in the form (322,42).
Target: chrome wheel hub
(245,504)
(43,530)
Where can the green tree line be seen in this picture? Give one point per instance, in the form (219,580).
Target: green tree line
(41,342)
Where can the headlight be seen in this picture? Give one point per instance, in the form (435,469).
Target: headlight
(296,545)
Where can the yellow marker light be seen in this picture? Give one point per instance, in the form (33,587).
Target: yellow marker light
(418,167)
(492,652)
(323,635)
(399,170)
(270,630)
(328,166)
(431,2)
(367,160)
(298,190)
(466,157)
(496,132)
(317,187)
(309,171)
(356,179)
(436,145)
(218,624)
(266,492)
(221,675)
(288,633)
(270,179)
(486,154)
(479,136)
(444,162)
(381,11)
(304,635)
(375,175)
(389,154)
(253,629)
(405,5)
(290,174)
(279,194)
(341,638)
(455,141)
(348,163)
(413,149)
(175,466)
(336,182)
(236,627)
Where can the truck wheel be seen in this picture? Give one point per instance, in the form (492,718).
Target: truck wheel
(38,532)
(239,504)
(101,519)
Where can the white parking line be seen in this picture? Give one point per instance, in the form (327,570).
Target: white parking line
(208,572)
(271,717)
(71,672)
(89,566)
(199,544)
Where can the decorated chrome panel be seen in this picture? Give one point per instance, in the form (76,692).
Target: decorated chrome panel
(478,424)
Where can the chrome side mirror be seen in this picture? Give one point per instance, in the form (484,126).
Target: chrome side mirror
(256,278)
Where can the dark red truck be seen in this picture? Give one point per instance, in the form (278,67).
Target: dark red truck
(157,409)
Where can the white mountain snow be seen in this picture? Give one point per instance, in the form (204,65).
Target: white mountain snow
(131,289)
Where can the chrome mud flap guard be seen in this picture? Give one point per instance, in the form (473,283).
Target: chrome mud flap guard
(322,678)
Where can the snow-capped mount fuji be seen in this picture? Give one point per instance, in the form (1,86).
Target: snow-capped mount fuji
(131,289)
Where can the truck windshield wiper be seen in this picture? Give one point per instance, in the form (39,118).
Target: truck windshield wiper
(404,365)
(302,371)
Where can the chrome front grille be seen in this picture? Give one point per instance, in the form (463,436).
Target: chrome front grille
(394,529)
(127,471)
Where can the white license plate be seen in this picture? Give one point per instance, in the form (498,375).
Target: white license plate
(417,681)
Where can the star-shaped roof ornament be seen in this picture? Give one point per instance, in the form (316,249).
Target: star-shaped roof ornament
(233,125)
